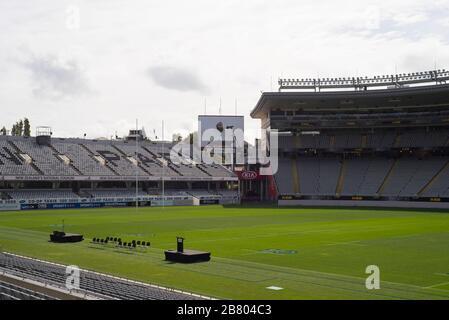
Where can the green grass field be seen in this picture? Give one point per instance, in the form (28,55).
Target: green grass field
(311,253)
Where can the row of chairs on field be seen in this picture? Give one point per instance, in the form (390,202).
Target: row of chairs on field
(119,243)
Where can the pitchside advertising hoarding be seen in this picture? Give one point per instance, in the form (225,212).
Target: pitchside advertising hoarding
(225,128)
(9,206)
(110,178)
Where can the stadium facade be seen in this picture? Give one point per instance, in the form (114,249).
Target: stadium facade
(361,141)
(45,172)
(380,141)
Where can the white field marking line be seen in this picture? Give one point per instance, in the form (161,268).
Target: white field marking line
(250,252)
(437,285)
(119,278)
(442,274)
(53,287)
(270,266)
(275,288)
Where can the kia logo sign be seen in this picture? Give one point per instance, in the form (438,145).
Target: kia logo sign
(249,175)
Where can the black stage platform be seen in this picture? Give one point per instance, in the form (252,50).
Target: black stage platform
(186,256)
(58,236)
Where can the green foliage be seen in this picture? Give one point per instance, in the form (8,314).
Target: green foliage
(20,128)
(26,127)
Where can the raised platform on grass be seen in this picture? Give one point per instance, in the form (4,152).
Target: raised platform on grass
(187,256)
(61,237)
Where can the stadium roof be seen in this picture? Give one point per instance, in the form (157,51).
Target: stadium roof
(363,83)
(335,101)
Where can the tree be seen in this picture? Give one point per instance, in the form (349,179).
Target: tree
(176,137)
(20,128)
(13,130)
(26,127)
(3,131)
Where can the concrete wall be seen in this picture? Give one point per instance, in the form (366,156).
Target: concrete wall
(365,203)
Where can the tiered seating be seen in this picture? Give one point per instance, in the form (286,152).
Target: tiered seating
(309,141)
(41,194)
(11,163)
(45,159)
(318,176)
(421,138)
(364,176)
(81,159)
(286,142)
(113,158)
(10,291)
(73,157)
(284,176)
(159,149)
(374,176)
(146,159)
(168,193)
(229,194)
(188,170)
(217,170)
(440,186)
(411,175)
(94,284)
(356,170)
(115,193)
(379,140)
(204,194)
(324,141)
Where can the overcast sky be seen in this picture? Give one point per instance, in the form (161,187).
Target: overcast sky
(95,66)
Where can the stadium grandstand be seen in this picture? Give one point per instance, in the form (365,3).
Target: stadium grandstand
(23,278)
(46,172)
(382,140)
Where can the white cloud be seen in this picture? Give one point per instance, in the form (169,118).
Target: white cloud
(175,78)
(54,78)
(403,19)
(226,50)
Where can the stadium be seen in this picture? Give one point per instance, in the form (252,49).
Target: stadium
(362,179)
(385,140)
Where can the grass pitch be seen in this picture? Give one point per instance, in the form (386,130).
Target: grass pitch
(311,253)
